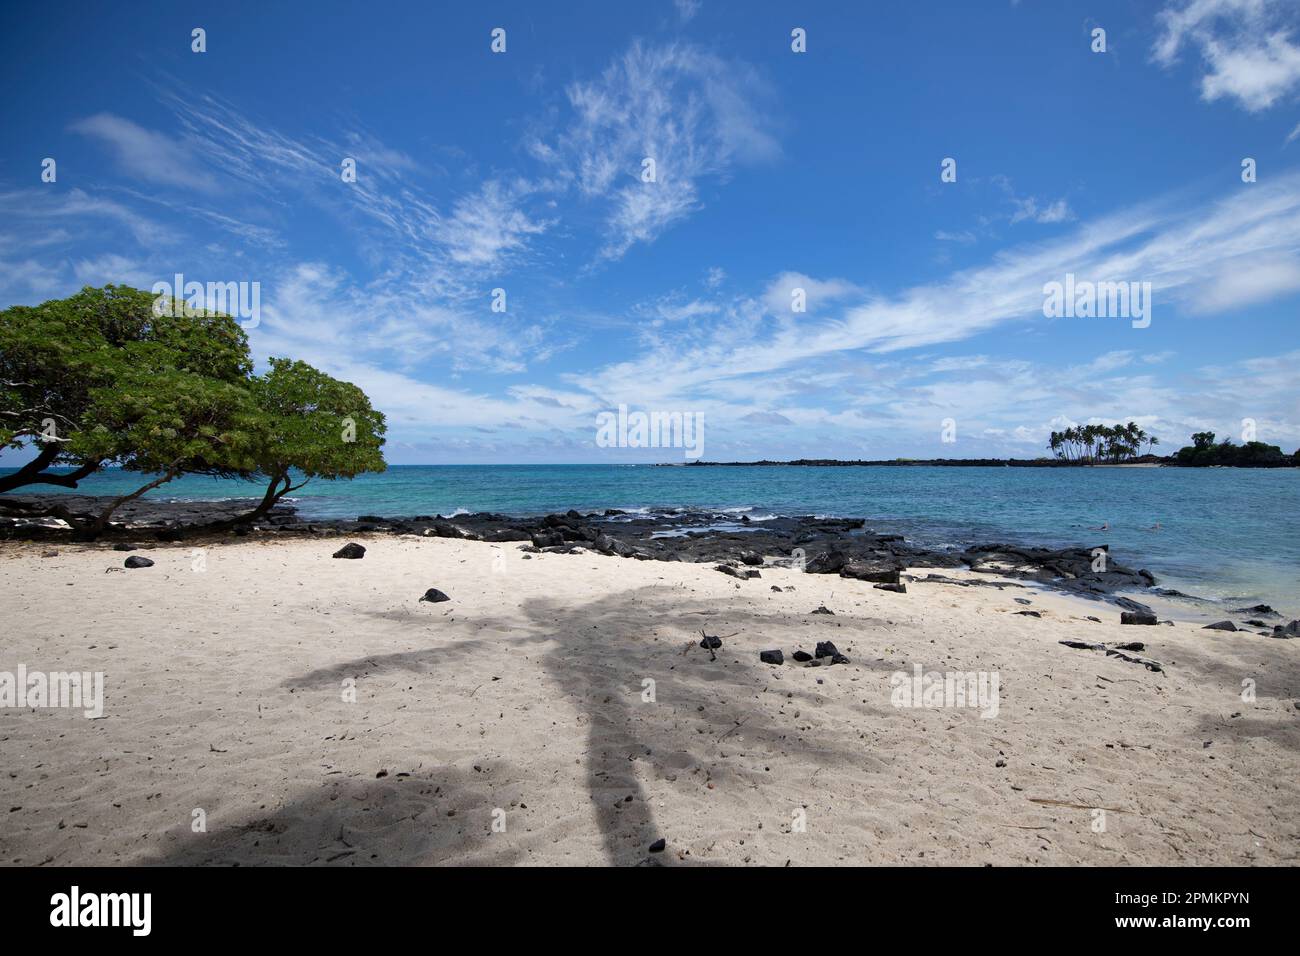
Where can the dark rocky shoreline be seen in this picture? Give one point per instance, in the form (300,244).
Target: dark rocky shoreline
(741,547)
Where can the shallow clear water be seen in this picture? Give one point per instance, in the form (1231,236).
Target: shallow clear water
(1224,533)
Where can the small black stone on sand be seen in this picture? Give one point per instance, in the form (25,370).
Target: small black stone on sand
(433,595)
(827,649)
(350,550)
(1137,617)
(771,657)
(135,561)
(658,845)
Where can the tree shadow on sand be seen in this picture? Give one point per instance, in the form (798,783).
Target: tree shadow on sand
(602,654)
(1277,680)
(402,821)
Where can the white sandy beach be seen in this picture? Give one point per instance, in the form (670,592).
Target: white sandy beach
(225,693)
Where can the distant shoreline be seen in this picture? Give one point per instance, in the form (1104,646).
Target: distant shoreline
(1146,461)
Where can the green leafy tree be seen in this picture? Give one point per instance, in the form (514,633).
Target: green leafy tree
(310,426)
(101,379)
(163,423)
(58,359)
(1253,454)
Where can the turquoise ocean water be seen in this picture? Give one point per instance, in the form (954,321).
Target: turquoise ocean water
(1232,534)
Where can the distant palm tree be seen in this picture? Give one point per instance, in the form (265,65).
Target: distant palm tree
(1134,437)
(1089,444)
(1093,436)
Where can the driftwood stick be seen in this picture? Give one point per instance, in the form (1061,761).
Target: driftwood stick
(1047,801)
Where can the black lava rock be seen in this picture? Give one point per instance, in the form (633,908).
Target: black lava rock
(771,657)
(434,596)
(135,561)
(828,563)
(1220,626)
(802,656)
(1137,617)
(869,572)
(352,551)
(658,845)
(743,573)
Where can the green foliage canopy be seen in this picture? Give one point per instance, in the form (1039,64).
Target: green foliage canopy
(102,378)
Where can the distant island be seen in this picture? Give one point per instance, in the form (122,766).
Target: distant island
(1086,446)
(903,462)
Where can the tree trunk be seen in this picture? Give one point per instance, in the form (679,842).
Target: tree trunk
(269,500)
(31,473)
(96,527)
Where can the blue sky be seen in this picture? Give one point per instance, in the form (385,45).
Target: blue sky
(775,170)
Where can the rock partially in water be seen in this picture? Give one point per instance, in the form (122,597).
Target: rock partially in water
(1262,609)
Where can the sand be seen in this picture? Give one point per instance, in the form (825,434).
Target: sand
(509,725)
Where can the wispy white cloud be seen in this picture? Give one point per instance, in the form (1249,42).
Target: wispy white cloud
(1190,254)
(1032,208)
(148,155)
(1246,47)
(687,9)
(488,225)
(315,308)
(1058,211)
(685,108)
(39,214)
(111,267)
